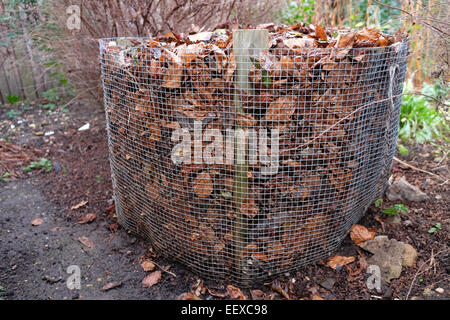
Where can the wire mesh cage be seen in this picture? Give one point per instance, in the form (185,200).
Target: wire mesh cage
(248,158)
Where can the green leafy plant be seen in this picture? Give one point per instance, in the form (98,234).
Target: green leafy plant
(49,106)
(12,113)
(402,149)
(395,209)
(37,165)
(298,11)
(5,177)
(12,99)
(378,202)
(435,228)
(52,95)
(419,121)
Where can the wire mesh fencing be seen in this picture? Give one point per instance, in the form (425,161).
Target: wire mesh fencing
(250,159)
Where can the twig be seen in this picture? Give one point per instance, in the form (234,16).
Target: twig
(169,272)
(417,169)
(443,158)
(439,102)
(440,32)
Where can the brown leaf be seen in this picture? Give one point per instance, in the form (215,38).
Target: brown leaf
(277,288)
(281,109)
(249,208)
(188,296)
(217,294)
(37,222)
(257,294)
(336,261)
(317,297)
(87,218)
(203,186)
(260,256)
(320,33)
(360,234)
(152,279)
(85,240)
(111,285)
(235,293)
(174,73)
(292,43)
(147,265)
(345,44)
(79,205)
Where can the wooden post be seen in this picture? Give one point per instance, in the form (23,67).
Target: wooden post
(246,44)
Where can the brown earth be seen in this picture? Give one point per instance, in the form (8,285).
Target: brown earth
(33,259)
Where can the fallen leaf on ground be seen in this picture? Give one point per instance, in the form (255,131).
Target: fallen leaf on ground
(85,240)
(257,294)
(79,205)
(87,218)
(152,279)
(147,265)
(37,222)
(111,285)
(317,297)
(235,293)
(217,294)
(380,222)
(277,288)
(360,234)
(189,296)
(336,261)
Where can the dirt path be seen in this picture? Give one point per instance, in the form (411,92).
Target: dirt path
(34,259)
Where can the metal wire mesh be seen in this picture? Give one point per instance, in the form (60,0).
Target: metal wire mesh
(243,181)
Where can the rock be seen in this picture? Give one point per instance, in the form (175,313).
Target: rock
(402,190)
(439,290)
(409,256)
(387,254)
(390,255)
(394,220)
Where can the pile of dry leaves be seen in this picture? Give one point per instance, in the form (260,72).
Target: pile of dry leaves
(326,91)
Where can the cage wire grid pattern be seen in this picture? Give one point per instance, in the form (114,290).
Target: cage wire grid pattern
(245,178)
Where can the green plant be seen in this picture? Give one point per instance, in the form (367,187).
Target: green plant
(12,113)
(49,106)
(298,11)
(378,202)
(42,164)
(52,95)
(5,177)
(99,179)
(402,149)
(12,99)
(395,209)
(419,121)
(435,228)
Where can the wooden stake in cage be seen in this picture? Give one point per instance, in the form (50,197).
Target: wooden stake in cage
(247,44)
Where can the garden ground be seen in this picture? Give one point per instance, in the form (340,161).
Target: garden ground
(34,258)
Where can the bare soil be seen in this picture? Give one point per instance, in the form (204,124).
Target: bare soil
(34,259)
